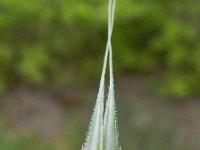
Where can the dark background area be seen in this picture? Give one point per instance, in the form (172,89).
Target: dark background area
(51,52)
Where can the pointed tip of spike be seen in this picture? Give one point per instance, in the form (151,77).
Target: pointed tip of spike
(103,132)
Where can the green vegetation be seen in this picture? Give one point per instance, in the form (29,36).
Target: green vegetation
(57,43)
(48,42)
(9,140)
(23,143)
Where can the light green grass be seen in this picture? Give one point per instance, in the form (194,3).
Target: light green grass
(102,134)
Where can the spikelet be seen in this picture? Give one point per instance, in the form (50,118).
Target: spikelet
(102,133)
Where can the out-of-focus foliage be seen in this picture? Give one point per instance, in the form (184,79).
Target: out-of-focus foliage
(50,41)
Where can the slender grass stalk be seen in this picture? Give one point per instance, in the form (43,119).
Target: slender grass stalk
(102,134)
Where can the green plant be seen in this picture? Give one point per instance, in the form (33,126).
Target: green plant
(102,133)
(151,38)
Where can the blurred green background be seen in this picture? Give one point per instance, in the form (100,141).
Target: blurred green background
(51,54)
